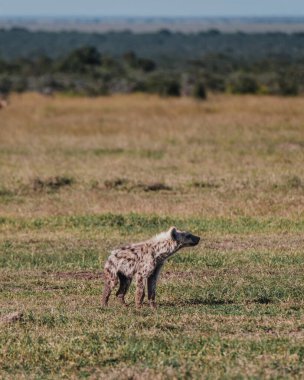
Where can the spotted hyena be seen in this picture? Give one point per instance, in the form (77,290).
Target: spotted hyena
(144,261)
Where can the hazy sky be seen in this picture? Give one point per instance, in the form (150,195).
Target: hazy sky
(152,7)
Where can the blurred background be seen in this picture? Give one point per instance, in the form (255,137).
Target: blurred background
(105,47)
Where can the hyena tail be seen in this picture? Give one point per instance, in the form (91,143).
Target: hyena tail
(110,281)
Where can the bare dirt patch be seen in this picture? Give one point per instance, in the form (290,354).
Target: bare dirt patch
(81,275)
(291,146)
(11,318)
(240,243)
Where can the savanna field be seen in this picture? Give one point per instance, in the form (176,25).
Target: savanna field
(80,176)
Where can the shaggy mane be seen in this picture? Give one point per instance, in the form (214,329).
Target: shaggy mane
(162,237)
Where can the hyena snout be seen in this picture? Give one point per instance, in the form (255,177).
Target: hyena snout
(195,240)
(191,240)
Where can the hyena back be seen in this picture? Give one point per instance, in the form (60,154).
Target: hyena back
(142,261)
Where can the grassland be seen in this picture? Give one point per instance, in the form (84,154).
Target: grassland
(81,176)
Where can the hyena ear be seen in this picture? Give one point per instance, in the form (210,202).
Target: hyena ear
(173,233)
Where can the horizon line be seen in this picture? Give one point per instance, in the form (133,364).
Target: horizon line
(278,16)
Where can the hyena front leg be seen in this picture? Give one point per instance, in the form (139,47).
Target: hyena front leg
(109,283)
(152,280)
(140,290)
(125,283)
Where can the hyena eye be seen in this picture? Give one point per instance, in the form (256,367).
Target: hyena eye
(188,236)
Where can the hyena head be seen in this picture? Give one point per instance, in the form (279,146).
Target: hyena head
(184,238)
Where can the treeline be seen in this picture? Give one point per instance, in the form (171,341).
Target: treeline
(87,71)
(164,47)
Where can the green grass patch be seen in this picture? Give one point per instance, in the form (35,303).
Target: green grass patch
(224,313)
(137,223)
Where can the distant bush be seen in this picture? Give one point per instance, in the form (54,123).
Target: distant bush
(199,91)
(157,186)
(51,183)
(215,82)
(144,64)
(288,86)
(242,84)
(81,60)
(193,86)
(6,85)
(164,85)
(20,85)
(294,182)
(118,184)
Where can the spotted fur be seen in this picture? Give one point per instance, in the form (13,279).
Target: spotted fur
(144,262)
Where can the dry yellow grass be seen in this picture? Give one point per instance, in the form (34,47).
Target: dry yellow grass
(230,308)
(229,156)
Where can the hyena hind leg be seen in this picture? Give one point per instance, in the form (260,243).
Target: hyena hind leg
(109,283)
(125,283)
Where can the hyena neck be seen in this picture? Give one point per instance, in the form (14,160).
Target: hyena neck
(165,249)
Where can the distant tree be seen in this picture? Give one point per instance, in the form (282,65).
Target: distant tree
(144,64)
(213,32)
(165,32)
(242,84)
(108,62)
(20,85)
(130,58)
(81,59)
(4,66)
(214,82)
(164,85)
(171,88)
(199,91)
(5,85)
(42,65)
(218,63)
(288,86)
